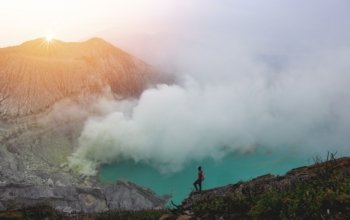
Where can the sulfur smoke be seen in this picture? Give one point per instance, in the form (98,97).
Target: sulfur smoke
(305,107)
(237,92)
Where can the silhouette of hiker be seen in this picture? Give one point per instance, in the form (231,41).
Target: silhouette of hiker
(199,180)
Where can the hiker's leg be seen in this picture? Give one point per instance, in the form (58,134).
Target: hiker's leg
(195,184)
(200,185)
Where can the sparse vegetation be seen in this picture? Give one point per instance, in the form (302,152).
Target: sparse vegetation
(324,196)
(312,200)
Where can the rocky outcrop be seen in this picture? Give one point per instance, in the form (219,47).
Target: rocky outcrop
(122,195)
(125,195)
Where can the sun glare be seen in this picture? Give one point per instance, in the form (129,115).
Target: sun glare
(49,37)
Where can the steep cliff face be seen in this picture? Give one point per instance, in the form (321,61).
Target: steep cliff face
(38,73)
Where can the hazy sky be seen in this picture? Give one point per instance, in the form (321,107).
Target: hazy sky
(80,19)
(162,26)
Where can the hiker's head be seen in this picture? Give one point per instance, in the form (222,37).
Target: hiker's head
(199,168)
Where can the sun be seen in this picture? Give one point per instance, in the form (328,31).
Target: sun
(49,37)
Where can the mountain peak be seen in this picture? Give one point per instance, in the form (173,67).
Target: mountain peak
(96,40)
(38,73)
(55,48)
(43,40)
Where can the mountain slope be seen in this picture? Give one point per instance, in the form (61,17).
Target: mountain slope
(38,73)
(47,92)
(49,89)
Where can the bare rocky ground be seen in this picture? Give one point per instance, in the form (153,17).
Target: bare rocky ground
(33,171)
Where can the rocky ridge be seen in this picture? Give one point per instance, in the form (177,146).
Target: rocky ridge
(327,184)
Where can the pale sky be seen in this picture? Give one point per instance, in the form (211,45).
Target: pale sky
(79,19)
(162,27)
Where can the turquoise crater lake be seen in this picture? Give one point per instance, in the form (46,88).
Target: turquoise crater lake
(230,169)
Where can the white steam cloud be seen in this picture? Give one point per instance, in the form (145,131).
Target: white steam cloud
(249,80)
(305,107)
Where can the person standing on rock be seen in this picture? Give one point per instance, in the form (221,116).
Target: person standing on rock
(199,180)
